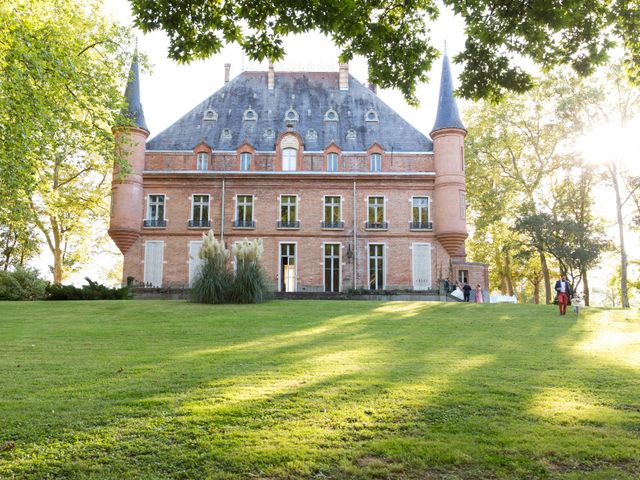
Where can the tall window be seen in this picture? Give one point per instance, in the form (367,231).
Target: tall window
(202,161)
(289,159)
(288,211)
(245,162)
(463,205)
(200,211)
(376,266)
(332,162)
(155,211)
(420,213)
(332,212)
(376,213)
(332,267)
(463,276)
(376,162)
(244,211)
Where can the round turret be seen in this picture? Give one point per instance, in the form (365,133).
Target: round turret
(450,202)
(127,197)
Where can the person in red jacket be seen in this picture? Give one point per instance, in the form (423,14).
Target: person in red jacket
(564,291)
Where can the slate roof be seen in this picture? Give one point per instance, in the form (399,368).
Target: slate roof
(448,115)
(311,95)
(134,110)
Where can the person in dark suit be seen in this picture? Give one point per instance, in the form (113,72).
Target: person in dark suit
(564,292)
(466,290)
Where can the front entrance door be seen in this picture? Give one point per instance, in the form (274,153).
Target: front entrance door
(421,266)
(288,267)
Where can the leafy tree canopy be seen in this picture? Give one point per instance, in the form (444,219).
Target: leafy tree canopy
(394,36)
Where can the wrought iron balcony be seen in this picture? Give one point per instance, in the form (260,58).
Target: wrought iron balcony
(199,223)
(244,224)
(294,224)
(155,223)
(332,225)
(421,225)
(376,225)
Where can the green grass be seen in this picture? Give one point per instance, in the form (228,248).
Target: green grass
(310,389)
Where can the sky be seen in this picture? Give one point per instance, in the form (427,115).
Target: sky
(169,90)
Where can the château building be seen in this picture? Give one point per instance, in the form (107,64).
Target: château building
(343,192)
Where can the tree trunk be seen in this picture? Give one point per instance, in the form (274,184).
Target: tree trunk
(585,288)
(547,281)
(536,292)
(57,266)
(624,298)
(507,269)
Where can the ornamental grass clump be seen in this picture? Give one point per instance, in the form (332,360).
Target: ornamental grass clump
(213,281)
(250,282)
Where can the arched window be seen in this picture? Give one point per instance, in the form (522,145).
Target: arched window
(289,159)
(332,162)
(245,162)
(202,161)
(376,162)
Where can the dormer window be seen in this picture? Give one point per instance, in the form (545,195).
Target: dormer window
(245,162)
(291,115)
(351,134)
(376,162)
(269,133)
(249,115)
(211,115)
(371,116)
(289,159)
(331,116)
(226,133)
(202,161)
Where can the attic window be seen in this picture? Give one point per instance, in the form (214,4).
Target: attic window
(291,115)
(331,115)
(211,114)
(249,115)
(351,134)
(371,116)
(226,133)
(312,134)
(269,133)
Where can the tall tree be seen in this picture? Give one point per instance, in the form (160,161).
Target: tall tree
(515,151)
(393,36)
(62,71)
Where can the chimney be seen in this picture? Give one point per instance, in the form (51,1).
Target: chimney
(270,77)
(227,68)
(344,76)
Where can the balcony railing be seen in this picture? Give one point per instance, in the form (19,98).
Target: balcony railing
(199,223)
(376,225)
(244,224)
(294,224)
(421,225)
(155,223)
(332,225)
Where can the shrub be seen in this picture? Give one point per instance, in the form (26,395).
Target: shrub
(250,283)
(91,291)
(213,281)
(21,284)
(10,289)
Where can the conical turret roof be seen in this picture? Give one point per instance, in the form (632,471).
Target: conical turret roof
(448,115)
(134,111)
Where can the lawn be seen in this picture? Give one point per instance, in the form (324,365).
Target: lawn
(317,390)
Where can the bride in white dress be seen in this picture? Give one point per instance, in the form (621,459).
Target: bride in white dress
(458,293)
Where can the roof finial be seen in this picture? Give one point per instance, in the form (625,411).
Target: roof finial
(445,46)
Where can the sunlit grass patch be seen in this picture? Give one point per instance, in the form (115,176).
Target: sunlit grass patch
(313,389)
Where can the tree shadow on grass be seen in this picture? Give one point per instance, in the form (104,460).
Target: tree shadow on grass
(419,391)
